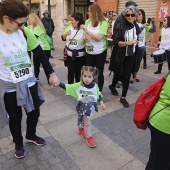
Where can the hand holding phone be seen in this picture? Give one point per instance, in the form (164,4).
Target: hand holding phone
(148,21)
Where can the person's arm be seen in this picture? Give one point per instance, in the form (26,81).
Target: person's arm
(159,41)
(117,37)
(100,99)
(62,85)
(33,45)
(102,32)
(53,26)
(124,43)
(97,37)
(153,28)
(66,34)
(46,65)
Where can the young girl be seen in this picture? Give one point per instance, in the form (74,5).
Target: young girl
(87,94)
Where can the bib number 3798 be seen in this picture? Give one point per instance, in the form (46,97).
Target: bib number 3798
(21,72)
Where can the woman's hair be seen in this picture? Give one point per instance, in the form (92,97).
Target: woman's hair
(35,21)
(78,17)
(143,16)
(13,8)
(168,21)
(92,70)
(97,15)
(133,8)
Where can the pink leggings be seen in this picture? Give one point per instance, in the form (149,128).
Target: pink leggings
(86,125)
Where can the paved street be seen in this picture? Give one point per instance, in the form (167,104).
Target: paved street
(120,145)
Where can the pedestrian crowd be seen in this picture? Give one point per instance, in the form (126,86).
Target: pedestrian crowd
(85,56)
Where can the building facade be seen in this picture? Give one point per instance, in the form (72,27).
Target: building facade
(61,8)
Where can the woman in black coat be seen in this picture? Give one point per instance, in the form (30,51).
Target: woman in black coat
(123,54)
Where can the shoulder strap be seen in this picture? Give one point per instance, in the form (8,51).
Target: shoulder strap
(73,38)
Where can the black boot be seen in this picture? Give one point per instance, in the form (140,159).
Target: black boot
(124,102)
(113,90)
(157,72)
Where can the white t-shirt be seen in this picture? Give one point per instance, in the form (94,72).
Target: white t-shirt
(77,43)
(13,54)
(165,39)
(113,22)
(93,47)
(141,42)
(131,35)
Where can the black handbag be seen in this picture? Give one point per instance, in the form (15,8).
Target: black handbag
(65,52)
(65,57)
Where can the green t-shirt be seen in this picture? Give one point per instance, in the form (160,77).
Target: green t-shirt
(41,37)
(82,93)
(147,30)
(67,28)
(161,120)
(68,23)
(32,41)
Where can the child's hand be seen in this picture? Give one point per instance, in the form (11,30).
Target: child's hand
(102,105)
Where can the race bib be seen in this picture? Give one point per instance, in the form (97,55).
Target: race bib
(90,48)
(74,43)
(141,42)
(141,39)
(21,72)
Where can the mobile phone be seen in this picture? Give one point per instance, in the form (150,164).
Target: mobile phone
(148,21)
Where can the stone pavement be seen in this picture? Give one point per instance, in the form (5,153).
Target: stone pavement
(120,145)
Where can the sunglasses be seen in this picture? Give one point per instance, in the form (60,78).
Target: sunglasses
(164,20)
(128,15)
(19,24)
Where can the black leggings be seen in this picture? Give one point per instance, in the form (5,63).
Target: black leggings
(15,116)
(97,61)
(74,68)
(160,150)
(37,63)
(139,54)
(128,66)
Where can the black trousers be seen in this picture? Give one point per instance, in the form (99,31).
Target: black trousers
(144,57)
(97,61)
(160,66)
(15,116)
(37,63)
(74,68)
(139,54)
(168,57)
(159,158)
(128,67)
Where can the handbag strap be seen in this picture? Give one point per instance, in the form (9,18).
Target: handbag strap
(159,111)
(73,38)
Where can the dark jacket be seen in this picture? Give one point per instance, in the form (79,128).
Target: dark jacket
(118,53)
(49,25)
(121,19)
